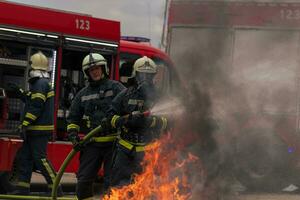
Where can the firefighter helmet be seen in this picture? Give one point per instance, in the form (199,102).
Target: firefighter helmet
(94,59)
(39,61)
(144,65)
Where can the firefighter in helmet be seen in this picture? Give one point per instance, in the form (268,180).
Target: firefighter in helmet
(37,125)
(137,130)
(91,105)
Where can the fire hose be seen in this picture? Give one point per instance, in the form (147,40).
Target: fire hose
(64,166)
(59,174)
(68,160)
(73,153)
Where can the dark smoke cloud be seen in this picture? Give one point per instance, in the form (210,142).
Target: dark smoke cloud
(229,78)
(203,65)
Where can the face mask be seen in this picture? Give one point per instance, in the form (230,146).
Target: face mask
(144,77)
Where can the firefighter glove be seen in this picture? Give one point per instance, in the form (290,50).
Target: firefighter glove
(22,132)
(75,139)
(138,120)
(15,88)
(105,124)
(12,87)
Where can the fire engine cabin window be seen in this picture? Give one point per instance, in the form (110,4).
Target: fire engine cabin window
(126,66)
(13,64)
(72,80)
(162,78)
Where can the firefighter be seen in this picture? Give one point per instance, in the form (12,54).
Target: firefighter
(91,105)
(137,130)
(37,125)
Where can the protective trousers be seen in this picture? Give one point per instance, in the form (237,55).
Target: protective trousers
(92,157)
(32,155)
(126,162)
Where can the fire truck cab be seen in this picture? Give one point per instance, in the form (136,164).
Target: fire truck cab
(65,38)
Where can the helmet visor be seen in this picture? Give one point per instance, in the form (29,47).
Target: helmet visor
(144,77)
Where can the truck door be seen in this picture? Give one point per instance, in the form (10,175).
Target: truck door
(265,69)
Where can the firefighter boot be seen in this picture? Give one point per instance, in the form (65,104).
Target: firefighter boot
(20,190)
(5,185)
(84,190)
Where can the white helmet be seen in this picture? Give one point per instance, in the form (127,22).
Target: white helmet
(39,61)
(144,65)
(94,59)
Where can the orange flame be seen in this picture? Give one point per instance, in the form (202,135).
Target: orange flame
(163,177)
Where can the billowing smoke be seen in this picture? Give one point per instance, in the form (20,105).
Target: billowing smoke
(206,80)
(240,85)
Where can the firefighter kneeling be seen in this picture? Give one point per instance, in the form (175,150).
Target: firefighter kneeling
(137,130)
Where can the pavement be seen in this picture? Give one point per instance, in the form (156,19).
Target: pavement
(69,183)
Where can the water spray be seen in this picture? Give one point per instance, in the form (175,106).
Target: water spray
(173,108)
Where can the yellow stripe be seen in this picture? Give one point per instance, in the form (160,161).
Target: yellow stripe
(88,123)
(41,128)
(30,116)
(164,123)
(125,144)
(104,139)
(38,95)
(73,126)
(139,148)
(113,120)
(129,146)
(49,169)
(23,184)
(25,123)
(50,94)
(153,122)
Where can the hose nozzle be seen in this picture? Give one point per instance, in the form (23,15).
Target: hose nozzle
(145,113)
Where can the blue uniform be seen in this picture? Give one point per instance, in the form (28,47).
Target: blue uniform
(88,109)
(135,136)
(38,121)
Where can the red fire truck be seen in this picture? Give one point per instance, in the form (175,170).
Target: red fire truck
(246,55)
(65,38)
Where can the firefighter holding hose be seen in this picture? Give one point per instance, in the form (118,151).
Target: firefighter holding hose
(137,129)
(91,105)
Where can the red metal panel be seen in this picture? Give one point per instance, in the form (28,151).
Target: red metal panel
(142,49)
(234,14)
(8,149)
(57,152)
(50,20)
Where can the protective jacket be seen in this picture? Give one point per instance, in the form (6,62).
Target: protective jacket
(90,106)
(88,110)
(127,102)
(39,107)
